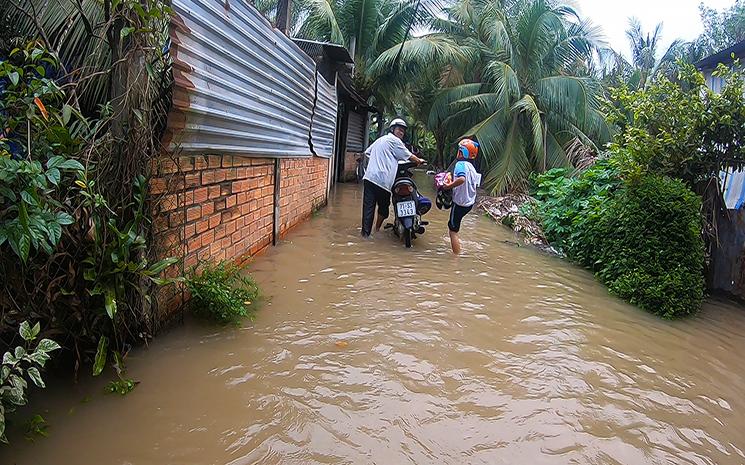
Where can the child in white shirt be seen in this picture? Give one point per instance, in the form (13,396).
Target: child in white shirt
(464,183)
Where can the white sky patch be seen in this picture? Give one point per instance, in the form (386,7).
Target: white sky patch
(680,18)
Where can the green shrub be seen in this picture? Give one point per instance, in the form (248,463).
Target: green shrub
(646,245)
(222,293)
(564,201)
(641,234)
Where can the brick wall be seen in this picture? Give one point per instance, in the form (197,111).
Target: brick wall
(302,190)
(212,208)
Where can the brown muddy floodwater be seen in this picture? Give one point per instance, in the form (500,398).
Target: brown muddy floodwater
(371,354)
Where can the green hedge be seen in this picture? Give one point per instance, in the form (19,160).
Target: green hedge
(641,235)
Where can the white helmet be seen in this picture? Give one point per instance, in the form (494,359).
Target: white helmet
(398,122)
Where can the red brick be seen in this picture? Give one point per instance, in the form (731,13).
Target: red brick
(203,225)
(214,161)
(190,261)
(221,175)
(208,208)
(166,166)
(192,179)
(207,238)
(168,203)
(230,227)
(208,177)
(194,244)
(215,220)
(231,201)
(160,223)
(237,186)
(193,213)
(190,230)
(200,195)
(220,231)
(186,163)
(204,254)
(227,161)
(200,163)
(157,186)
(214,192)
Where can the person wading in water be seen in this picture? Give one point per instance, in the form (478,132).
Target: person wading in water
(384,153)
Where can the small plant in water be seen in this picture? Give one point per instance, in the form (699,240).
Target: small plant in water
(122,386)
(222,293)
(18,365)
(36,427)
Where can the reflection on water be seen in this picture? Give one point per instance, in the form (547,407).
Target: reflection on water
(371,353)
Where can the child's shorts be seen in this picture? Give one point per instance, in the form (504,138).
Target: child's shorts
(456,216)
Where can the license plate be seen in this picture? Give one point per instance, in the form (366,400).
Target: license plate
(407,208)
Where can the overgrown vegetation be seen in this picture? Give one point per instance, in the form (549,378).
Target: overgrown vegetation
(82,107)
(23,362)
(639,232)
(221,293)
(636,217)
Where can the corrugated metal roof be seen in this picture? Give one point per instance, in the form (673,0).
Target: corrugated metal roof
(241,86)
(725,56)
(323,135)
(317,49)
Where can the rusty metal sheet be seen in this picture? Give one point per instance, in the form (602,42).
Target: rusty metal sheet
(241,86)
(323,133)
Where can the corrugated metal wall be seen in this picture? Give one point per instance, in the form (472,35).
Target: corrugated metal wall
(324,119)
(242,87)
(355,132)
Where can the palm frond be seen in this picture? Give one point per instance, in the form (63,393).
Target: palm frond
(527,107)
(322,22)
(511,170)
(418,53)
(564,95)
(441,107)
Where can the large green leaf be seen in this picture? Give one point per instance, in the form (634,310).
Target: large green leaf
(110,302)
(101,355)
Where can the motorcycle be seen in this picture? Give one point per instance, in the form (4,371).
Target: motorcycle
(408,205)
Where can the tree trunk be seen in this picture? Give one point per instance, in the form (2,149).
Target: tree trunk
(381,124)
(284,13)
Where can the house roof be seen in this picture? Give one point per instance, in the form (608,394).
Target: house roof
(725,56)
(346,88)
(333,52)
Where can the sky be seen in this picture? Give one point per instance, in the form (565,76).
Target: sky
(679,18)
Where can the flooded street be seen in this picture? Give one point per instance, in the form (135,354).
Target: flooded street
(368,353)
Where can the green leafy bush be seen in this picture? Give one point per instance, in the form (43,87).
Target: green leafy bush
(19,364)
(221,293)
(647,245)
(640,233)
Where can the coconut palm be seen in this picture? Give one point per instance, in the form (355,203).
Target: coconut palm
(646,63)
(527,94)
(372,29)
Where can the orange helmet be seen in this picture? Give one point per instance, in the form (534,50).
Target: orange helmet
(468,148)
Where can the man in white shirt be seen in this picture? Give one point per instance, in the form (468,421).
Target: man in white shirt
(384,153)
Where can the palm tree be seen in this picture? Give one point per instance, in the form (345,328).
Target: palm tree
(646,64)
(523,97)
(378,34)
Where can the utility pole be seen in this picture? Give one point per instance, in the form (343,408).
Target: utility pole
(284,8)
